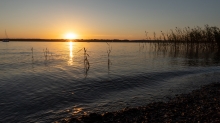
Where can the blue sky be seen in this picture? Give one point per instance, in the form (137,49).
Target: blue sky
(103,19)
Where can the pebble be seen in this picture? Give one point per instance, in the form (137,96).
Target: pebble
(199,106)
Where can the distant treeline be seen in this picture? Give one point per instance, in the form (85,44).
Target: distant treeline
(79,40)
(39,40)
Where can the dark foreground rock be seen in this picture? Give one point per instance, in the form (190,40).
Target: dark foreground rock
(202,105)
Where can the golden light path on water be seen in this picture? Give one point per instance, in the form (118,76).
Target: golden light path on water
(70,62)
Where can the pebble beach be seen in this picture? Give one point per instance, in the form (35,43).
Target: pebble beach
(201,105)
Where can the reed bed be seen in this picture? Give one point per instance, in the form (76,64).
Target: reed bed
(207,38)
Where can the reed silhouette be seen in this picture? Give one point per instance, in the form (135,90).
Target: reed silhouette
(86,61)
(208,35)
(47,56)
(193,53)
(32,57)
(109,50)
(46,52)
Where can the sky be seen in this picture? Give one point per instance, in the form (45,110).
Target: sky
(103,19)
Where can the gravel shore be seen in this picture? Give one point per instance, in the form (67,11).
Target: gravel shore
(200,106)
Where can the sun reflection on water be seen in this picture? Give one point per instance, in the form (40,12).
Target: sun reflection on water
(70,62)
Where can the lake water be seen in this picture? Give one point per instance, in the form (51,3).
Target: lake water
(54,81)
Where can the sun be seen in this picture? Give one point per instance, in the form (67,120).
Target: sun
(70,36)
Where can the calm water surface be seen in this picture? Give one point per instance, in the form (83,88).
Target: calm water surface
(53,81)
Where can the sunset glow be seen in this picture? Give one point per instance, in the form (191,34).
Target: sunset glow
(70,36)
(84,19)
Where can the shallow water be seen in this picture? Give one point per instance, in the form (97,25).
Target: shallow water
(48,86)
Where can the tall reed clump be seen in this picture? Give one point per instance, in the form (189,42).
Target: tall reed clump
(208,34)
(217,36)
(195,35)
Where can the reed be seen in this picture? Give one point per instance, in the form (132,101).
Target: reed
(109,50)
(47,55)
(32,57)
(86,61)
(208,36)
(32,50)
(86,55)
(194,51)
(147,38)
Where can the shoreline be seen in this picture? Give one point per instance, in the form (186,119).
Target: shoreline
(100,40)
(201,105)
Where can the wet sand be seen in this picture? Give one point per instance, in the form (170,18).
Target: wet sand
(202,105)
